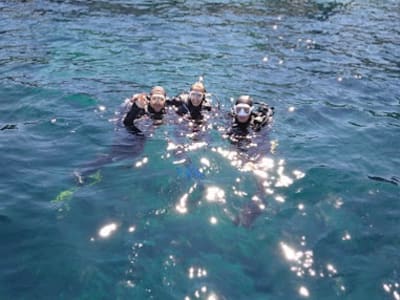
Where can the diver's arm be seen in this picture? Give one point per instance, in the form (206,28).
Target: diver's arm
(180,104)
(177,101)
(129,121)
(134,113)
(206,105)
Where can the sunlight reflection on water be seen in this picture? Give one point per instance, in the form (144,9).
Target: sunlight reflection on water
(330,69)
(107,230)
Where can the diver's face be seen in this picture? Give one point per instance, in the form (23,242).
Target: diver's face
(242,119)
(157,102)
(242,112)
(196,97)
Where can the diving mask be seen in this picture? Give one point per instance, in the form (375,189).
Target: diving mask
(242,110)
(196,94)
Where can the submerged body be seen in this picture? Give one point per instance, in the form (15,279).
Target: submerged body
(191,129)
(139,117)
(249,135)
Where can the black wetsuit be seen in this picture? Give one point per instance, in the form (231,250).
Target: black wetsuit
(245,134)
(125,145)
(136,113)
(259,118)
(184,107)
(189,130)
(248,139)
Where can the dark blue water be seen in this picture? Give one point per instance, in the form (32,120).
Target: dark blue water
(147,227)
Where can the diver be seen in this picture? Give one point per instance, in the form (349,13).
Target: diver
(193,103)
(247,117)
(142,105)
(140,115)
(245,132)
(191,131)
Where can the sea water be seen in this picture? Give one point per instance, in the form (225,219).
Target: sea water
(158,225)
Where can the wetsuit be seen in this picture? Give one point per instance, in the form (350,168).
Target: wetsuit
(245,135)
(125,145)
(248,139)
(184,106)
(259,118)
(135,113)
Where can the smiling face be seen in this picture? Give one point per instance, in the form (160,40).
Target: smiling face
(157,98)
(196,94)
(157,102)
(196,97)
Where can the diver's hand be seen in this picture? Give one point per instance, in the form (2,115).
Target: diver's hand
(140,100)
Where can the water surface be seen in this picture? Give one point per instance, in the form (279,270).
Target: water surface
(147,227)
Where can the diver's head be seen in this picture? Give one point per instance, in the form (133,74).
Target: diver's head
(243,108)
(157,98)
(197,94)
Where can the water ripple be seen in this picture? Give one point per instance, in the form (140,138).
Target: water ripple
(318,205)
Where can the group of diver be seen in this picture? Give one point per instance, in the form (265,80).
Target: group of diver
(149,110)
(246,114)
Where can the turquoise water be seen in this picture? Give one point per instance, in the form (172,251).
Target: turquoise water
(147,227)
